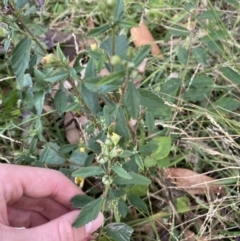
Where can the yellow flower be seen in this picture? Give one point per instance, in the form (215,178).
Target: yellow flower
(82,149)
(79,181)
(94,47)
(115,138)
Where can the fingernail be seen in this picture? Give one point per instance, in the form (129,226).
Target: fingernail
(95,224)
(88,228)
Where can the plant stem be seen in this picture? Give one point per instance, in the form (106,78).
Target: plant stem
(103,206)
(113,45)
(77,93)
(17,15)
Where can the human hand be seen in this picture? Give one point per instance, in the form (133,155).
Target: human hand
(39,200)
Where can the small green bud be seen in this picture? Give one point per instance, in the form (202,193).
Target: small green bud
(51,60)
(102,6)
(130,65)
(3,32)
(107,180)
(108,142)
(113,153)
(110,3)
(102,160)
(116,60)
(130,52)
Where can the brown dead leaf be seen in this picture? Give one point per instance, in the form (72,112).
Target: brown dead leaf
(104,72)
(67,85)
(72,133)
(74,126)
(142,36)
(142,66)
(192,182)
(90,23)
(190,236)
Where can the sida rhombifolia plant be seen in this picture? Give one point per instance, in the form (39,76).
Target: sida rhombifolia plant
(118,148)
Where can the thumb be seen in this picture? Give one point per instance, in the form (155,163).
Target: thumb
(55,230)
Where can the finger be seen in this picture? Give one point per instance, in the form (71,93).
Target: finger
(24,218)
(46,206)
(37,183)
(58,229)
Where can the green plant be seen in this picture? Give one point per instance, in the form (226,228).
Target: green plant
(133,131)
(120,113)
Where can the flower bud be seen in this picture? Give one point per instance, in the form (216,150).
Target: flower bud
(116,60)
(107,180)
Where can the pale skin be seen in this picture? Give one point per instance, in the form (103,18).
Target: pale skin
(39,200)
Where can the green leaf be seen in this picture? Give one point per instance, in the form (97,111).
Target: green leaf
(196,94)
(119,9)
(149,162)
(90,99)
(60,54)
(39,76)
(92,84)
(80,201)
(170,89)
(73,106)
(98,30)
(50,155)
(121,124)
(78,157)
(3,31)
(149,148)
(125,154)
(165,162)
(148,99)
(21,58)
(201,81)
(39,101)
(114,77)
(126,24)
(139,161)
(182,55)
(88,172)
(121,45)
(60,101)
(164,147)
(137,202)
(121,172)
(226,104)
(119,231)
(183,204)
(72,73)
(231,75)
(132,100)
(200,55)
(216,47)
(149,120)
(90,70)
(141,55)
(27,81)
(210,14)
(21,3)
(55,76)
(122,208)
(136,179)
(88,213)
(179,31)
(64,149)
(215,36)
(138,190)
